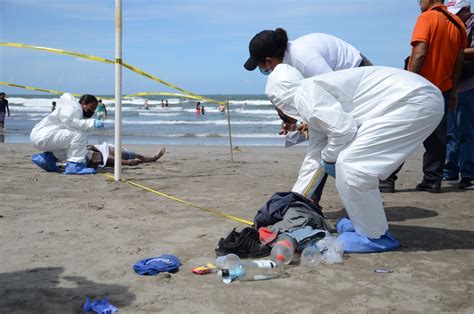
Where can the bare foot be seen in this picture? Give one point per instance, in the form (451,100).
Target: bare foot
(135,162)
(159,154)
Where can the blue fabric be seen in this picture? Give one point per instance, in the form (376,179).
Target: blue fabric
(99,306)
(353,242)
(276,207)
(78,168)
(460,140)
(306,233)
(451,168)
(98,124)
(306,236)
(45,161)
(151,266)
(344,225)
(329,168)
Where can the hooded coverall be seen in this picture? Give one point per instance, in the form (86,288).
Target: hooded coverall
(63,131)
(367,120)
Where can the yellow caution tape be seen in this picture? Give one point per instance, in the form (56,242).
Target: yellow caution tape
(52,91)
(59,51)
(154,78)
(104,60)
(213,211)
(163,94)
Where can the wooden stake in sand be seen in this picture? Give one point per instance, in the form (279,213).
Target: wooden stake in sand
(230,132)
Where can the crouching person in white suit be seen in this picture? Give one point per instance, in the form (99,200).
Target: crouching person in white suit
(363,124)
(62,135)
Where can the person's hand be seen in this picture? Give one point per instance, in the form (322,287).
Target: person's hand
(286,127)
(453,100)
(303,129)
(329,167)
(8,113)
(98,124)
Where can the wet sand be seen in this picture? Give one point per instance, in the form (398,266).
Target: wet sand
(67,237)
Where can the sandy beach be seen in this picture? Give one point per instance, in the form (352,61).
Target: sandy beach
(65,238)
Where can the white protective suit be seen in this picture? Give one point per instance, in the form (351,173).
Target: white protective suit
(368,120)
(63,131)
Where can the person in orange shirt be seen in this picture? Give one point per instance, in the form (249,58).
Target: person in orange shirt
(437,55)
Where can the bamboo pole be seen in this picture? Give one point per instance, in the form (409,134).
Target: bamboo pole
(118,90)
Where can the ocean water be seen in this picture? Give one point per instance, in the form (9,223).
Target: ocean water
(254,122)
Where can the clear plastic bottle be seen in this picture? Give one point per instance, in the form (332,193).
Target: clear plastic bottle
(311,256)
(331,250)
(251,271)
(283,250)
(228,261)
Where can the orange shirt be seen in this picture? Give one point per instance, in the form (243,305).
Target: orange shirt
(444,41)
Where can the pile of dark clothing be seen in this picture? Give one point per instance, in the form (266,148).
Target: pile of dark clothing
(287,213)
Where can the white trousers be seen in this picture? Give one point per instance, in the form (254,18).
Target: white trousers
(63,143)
(381,145)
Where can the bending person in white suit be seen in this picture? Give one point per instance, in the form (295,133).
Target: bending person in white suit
(62,135)
(363,124)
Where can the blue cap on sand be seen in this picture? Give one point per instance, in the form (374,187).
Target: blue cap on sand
(152,266)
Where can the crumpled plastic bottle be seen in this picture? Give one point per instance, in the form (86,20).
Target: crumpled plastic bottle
(331,250)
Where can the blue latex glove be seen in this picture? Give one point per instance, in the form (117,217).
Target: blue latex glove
(45,161)
(353,242)
(98,124)
(99,306)
(78,168)
(330,168)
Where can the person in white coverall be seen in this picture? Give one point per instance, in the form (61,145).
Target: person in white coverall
(312,54)
(363,124)
(62,135)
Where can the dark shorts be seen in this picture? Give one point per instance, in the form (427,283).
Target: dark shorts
(2,117)
(128,154)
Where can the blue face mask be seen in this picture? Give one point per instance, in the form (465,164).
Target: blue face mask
(265,72)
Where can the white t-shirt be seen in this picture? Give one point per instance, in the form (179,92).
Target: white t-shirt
(318,53)
(104,150)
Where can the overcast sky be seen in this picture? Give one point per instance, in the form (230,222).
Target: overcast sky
(199,45)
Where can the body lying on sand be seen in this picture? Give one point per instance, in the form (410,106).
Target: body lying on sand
(103,155)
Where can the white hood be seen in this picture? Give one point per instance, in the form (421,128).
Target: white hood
(281,88)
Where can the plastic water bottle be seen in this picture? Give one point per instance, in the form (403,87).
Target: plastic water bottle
(283,250)
(228,261)
(311,256)
(251,271)
(331,249)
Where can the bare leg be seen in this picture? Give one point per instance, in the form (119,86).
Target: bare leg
(157,156)
(131,162)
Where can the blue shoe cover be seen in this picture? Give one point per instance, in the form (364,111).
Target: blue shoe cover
(344,225)
(78,168)
(45,161)
(353,242)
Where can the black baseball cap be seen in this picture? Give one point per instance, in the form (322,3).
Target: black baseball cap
(261,46)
